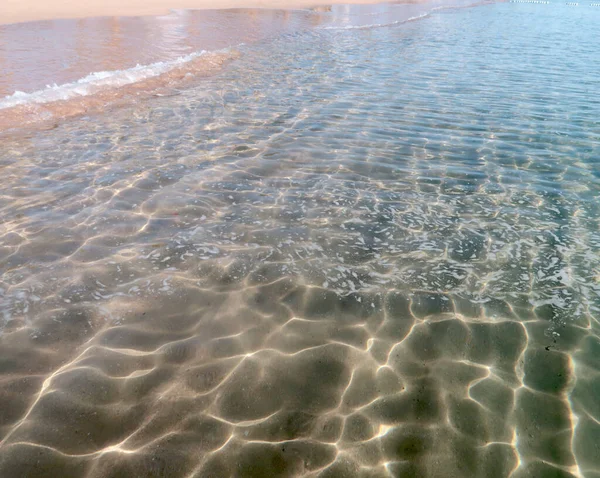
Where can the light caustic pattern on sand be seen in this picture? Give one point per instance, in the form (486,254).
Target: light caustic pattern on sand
(277,273)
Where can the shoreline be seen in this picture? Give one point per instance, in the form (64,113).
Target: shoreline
(112,74)
(27,11)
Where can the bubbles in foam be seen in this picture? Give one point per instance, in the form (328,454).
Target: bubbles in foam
(95,81)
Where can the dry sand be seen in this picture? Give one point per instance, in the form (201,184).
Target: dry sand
(15,11)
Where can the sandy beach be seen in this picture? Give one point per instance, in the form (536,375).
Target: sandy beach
(16,11)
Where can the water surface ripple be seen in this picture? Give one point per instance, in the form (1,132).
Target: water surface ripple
(354,252)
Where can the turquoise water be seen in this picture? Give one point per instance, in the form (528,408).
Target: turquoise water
(353,252)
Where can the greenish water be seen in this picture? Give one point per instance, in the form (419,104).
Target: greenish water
(354,252)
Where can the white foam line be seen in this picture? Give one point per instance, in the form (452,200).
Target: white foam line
(376,25)
(95,81)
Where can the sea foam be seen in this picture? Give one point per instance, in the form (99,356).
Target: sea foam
(96,81)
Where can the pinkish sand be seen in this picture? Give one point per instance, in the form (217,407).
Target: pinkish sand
(15,11)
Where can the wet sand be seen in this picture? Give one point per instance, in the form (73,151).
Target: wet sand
(14,11)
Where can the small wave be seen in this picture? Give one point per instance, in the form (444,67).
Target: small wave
(376,25)
(95,81)
(100,90)
(410,19)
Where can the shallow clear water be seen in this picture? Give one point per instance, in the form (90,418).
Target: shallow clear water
(55,70)
(56,52)
(354,252)
(39,55)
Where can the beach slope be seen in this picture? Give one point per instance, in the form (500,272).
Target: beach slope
(17,11)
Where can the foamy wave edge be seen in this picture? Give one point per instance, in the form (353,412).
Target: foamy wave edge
(96,81)
(410,19)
